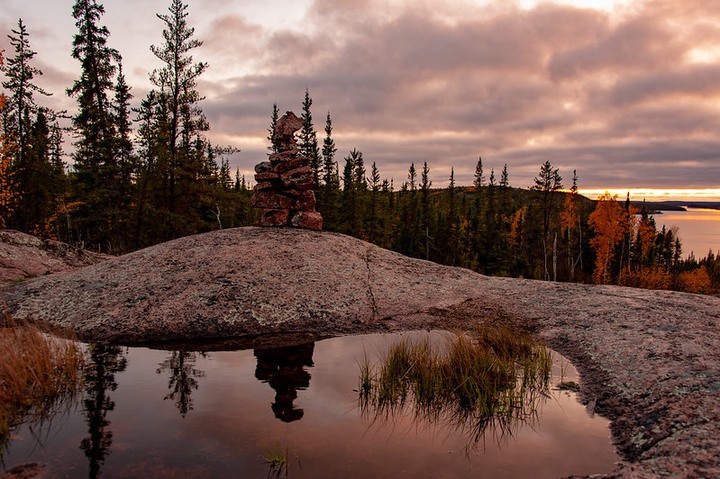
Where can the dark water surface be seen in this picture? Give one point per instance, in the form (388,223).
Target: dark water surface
(154,413)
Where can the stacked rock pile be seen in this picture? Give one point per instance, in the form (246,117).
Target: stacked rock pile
(285,183)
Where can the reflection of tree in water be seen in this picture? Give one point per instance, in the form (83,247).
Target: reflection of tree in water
(183,378)
(284,369)
(99,375)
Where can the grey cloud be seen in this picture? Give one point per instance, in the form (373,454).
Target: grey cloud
(696,80)
(659,164)
(635,45)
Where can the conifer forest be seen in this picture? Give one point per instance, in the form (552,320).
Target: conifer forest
(138,176)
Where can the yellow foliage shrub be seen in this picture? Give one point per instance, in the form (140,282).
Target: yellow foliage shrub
(695,281)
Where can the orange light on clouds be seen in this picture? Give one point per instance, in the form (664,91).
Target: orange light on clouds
(651,194)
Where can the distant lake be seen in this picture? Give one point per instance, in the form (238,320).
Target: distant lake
(699,229)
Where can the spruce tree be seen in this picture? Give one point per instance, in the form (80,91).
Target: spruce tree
(273,121)
(328,152)
(328,191)
(308,143)
(373,213)
(21,107)
(425,207)
(121,116)
(20,115)
(548,182)
(504,177)
(181,116)
(479,179)
(354,187)
(180,121)
(96,178)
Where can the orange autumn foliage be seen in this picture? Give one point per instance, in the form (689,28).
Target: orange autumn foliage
(650,278)
(695,281)
(516,226)
(610,225)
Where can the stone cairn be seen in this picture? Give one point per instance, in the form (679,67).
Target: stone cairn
(284,188)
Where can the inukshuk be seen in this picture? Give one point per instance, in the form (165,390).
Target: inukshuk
(284,188)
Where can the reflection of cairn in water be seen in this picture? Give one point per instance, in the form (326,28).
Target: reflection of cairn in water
(99,375)
(284,369)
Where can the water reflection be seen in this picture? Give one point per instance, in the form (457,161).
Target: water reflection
(284,369)
(104,361)
(493,379)
(183,378)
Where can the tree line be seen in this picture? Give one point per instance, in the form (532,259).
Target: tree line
(145,175)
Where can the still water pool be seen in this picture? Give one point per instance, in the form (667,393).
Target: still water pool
(157,413)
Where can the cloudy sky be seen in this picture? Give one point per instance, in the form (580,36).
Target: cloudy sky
(625,92)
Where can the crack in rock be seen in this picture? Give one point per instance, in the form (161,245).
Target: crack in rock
(370,293)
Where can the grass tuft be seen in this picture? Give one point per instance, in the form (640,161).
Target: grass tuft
(278,461)
(37,371)
(493,375)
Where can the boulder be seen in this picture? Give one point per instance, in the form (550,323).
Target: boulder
(267,176)
(285,129)
(270,199)
(274,217)
(299,178)
(307,219)
(263,166)
(305,202)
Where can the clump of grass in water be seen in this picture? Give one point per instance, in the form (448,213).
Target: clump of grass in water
(37,371)
(279,461)
(494,375)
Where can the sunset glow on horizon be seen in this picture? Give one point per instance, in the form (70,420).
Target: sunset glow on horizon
(639,194)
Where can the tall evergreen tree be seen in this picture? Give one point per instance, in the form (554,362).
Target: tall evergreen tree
(548,182)
(373,213)
(95,182)
(412,177)
(354,187)
(570,222)
(179,118)
(274,117)
(47,180)
(479,179)
(328,191)
(425,208)
(504,177)
(308,143)
(21,107)
(451,239)
(121,115)
(328,152)
(20,115)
